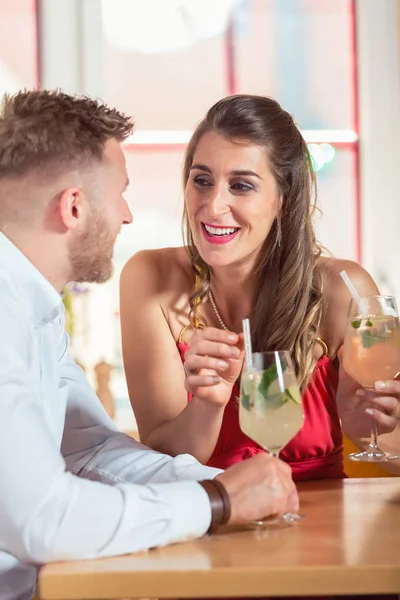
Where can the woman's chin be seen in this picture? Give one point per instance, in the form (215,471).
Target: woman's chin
(222,260)
(216,259)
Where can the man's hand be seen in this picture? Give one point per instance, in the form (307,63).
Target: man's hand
(259,487)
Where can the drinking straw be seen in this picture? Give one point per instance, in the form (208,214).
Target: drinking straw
(279,372)
(356,296)
(247,344)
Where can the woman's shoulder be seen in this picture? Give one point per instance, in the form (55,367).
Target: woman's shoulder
(333,285)
(159,269)
(336,296)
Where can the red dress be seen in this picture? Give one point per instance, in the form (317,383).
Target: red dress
(316,452)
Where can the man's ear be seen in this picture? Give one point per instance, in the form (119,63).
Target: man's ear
(71,206)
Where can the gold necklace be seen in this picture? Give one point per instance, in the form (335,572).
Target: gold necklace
(216,311)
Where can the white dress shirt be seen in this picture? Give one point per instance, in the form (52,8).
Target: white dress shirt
(71,485)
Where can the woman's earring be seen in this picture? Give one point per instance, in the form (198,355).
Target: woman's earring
(278,231)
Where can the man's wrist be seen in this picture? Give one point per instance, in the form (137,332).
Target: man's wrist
(219,501)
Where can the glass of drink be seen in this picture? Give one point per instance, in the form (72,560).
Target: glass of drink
(372,353)
(271,410)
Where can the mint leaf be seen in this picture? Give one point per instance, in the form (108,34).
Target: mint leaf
(246,401)
(368,339)
(268,377)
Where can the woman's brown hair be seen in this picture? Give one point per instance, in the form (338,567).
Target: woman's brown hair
(288,300)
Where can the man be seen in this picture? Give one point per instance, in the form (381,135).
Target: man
(71,485)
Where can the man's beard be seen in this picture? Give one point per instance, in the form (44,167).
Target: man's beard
(91,253)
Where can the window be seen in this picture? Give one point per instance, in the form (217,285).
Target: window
(18,53)
(299,51)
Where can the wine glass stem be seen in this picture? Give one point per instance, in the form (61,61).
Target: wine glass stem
(373,444)
(286,517)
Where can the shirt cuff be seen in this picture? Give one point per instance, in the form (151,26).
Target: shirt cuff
(159,514)
(187,468)
(190,508)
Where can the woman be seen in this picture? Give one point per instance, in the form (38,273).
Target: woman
(250,251)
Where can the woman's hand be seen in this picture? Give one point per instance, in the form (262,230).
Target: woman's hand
(357,406)
(384,405)
(213,363)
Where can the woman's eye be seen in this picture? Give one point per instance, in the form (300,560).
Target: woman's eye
(202,182)
(242,187)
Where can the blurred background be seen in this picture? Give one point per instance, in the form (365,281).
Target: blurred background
(333,64)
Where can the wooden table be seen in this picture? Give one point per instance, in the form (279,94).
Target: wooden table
(349,543)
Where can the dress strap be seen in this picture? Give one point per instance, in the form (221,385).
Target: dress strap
(181,337)
(324,346)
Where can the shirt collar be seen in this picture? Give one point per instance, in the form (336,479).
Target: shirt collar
(36,293)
